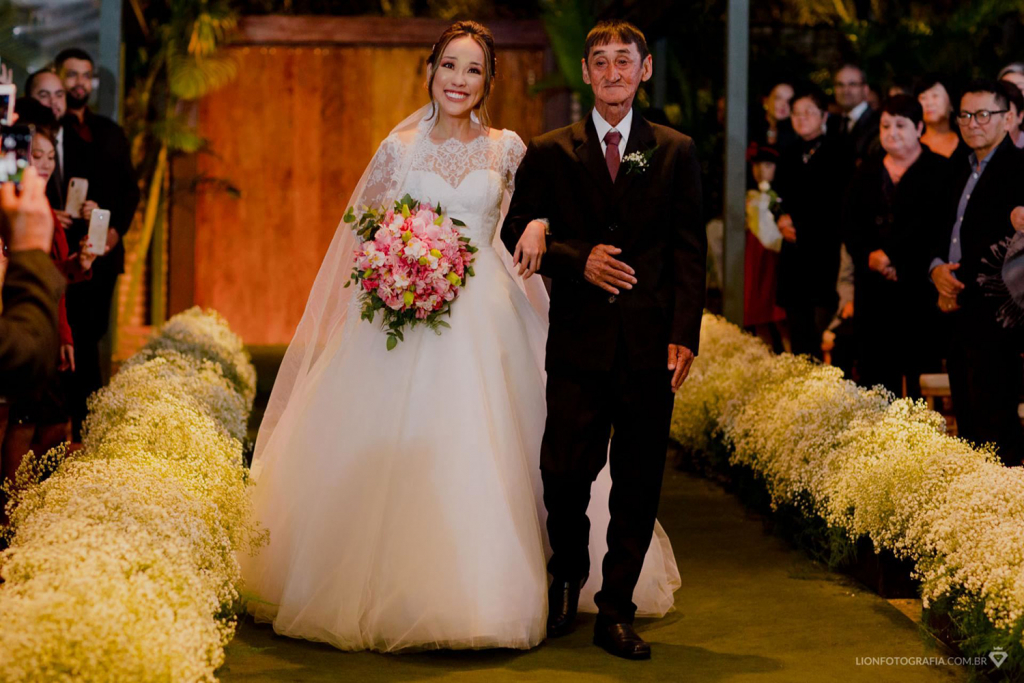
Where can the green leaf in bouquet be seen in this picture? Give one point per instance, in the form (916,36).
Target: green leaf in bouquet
(471,249)
(392,342)
(456,222)
(442,323)
(349,216)
(469,271)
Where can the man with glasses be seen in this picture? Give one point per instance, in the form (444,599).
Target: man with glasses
(984,359)
(858,124)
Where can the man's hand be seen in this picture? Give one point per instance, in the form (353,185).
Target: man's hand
(847,311)
(948,304)
(879,262)
(786,228)
(530,249)
(28,223)
(112,239)
(1017,218)
(606,272)
(680,359)
(945,281)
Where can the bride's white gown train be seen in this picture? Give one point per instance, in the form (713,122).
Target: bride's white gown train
(402,488)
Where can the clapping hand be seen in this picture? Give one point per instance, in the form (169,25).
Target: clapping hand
(607,272)
(879,262)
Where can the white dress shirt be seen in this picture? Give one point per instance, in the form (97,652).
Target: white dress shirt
(623,129)
(60,147)
(854,116)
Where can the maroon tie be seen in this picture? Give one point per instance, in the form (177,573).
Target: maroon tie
(611,152)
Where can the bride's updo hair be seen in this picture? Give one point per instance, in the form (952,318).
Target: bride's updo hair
(485,39)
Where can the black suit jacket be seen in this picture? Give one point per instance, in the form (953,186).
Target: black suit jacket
(654,216)
(862,140)
(106,163)
(986,223)
(902,220)
(28,326)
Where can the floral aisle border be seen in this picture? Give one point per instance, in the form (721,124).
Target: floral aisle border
(122,559)
(862,465)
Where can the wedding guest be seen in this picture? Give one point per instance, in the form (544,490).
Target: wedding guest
(811,180)
(857,126)
(774,128)
(1014,73)
(96,149)
(890,216)
(984,359)
(45,87)
(31,288)
(937,97)
(761,313)
(40,420)
(1016,100)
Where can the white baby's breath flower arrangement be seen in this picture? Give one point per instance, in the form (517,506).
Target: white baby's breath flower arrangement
(122,563)
(867,466)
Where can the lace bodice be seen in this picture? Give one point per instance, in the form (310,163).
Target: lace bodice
(468,179)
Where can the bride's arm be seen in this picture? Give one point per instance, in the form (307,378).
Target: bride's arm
(530,202)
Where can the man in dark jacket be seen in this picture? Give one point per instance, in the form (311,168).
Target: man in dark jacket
(984,356)
(95,148)
(626,255)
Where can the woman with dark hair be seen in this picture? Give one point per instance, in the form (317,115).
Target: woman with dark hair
(771,125)
(937,96)
(811,179)
(890,220)
(397,519)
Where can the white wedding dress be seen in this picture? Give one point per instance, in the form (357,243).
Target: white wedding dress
(401,489)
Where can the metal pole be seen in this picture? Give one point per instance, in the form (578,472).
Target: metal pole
(736,78)
(109,65)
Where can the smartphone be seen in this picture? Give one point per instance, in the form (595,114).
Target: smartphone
(15,152)
(78,191)
(98,226)
(8,93)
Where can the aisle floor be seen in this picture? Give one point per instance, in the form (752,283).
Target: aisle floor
(751,609)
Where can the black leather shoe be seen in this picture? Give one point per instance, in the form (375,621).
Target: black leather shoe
(622,641)
(563,601)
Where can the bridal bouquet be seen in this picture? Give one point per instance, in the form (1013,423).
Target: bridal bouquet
(411,265)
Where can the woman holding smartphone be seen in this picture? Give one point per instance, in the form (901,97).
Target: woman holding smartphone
(42,421)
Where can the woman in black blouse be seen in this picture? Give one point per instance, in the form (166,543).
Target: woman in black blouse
(811,179)
(890,225)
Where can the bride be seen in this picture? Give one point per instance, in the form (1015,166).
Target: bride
(402,488)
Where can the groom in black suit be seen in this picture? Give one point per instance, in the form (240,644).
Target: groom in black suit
(619,200)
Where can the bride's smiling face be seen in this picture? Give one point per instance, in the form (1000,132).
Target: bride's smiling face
(460,77)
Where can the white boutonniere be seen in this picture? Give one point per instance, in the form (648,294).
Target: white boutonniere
(638,162)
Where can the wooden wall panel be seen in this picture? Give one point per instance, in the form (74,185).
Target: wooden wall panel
(294,133)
